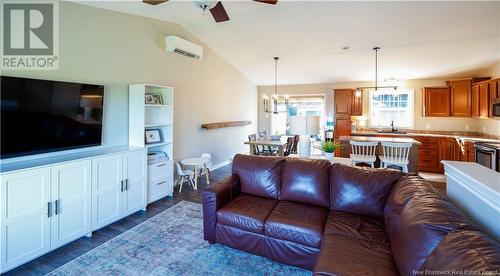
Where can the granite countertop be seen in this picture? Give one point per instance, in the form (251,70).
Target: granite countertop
(379,139)
(462,136)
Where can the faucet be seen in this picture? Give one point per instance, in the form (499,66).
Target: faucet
(392,127)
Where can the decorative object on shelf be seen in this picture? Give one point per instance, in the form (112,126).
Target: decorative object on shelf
(225,124)
(155,157)
(304,126)
(329,148)
(153,136)
(358,91)
(275,98)
(152,98)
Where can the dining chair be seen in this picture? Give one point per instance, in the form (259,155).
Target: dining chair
(296,139)
(395,154)
(184,175)
(263,134)
(209,164)
(363,152)
(289,145)
(253,137)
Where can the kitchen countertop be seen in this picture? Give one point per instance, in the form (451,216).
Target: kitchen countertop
(379,139)
(462,136)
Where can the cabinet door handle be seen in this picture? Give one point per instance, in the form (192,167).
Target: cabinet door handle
(159,183)
(56,207)
(161,165)
(49,209)
(121,186)
(126,184)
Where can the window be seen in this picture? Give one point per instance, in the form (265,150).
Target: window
(391,105)
(297,105)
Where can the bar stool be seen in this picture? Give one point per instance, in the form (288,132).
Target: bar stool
(395,154)
(363,152)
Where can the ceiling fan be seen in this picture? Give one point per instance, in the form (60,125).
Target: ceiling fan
(217,10)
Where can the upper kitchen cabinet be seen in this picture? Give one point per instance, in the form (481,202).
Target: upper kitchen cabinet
(460,97)
(484,99)
(475,100)
(357,103)
(436,101)
(494,87)
(342,99)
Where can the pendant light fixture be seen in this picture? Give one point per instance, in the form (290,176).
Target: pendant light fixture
(376,87)
(271,105)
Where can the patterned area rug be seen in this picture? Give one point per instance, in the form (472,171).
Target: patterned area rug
(171,243)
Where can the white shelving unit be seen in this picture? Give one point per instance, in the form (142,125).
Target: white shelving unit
(144,116)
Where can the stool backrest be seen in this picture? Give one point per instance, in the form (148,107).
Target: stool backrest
(363,148)
(209,157)
(179,170)
(398,152)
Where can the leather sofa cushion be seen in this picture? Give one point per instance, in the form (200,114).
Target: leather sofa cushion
(342,255)
(259,175)
(356,227)
(306,181)
(423,223)
(405,189)
(465,250)
(362,191)
(297,222)
(246,212)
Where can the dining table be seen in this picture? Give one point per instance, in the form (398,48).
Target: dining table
(267,141)
(197,163)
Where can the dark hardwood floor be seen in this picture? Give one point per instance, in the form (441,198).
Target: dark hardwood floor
(62,255)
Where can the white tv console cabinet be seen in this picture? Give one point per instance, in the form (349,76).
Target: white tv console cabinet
(51,201)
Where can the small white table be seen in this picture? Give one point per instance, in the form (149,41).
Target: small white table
(197,162)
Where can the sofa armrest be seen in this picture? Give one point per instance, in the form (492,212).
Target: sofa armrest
(213,199)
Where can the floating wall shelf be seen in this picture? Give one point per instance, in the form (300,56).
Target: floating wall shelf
(225,124)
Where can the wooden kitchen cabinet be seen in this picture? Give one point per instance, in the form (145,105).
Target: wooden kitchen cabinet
(484,100)
(436,101)
(460,97)
(357,103)
(342,99)
(494,86)
(475,100)
(467,152)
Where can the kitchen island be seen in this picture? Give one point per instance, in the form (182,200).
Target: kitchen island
(345,149)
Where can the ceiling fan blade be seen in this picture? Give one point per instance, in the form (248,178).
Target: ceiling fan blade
(154,2)
(272,2)
(219,13)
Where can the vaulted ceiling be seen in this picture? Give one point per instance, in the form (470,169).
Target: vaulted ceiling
(417,39)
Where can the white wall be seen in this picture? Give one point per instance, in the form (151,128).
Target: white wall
(115,49)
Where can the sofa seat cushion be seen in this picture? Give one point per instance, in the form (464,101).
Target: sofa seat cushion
(246,212)
(342,255)
(356,226)
(297,222)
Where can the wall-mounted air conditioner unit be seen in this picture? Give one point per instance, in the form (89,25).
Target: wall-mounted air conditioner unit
(175,44)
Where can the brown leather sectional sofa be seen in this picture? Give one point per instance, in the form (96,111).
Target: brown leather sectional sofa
(342,220)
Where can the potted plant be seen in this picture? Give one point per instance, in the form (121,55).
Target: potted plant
(329,148)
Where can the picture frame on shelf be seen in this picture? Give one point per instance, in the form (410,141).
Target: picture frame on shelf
(153,98)
(153,136)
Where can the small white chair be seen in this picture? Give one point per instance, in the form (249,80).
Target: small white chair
(209,164)
(395,154)
(363,152)
(184,175)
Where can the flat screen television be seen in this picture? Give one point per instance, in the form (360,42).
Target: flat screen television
(40,116)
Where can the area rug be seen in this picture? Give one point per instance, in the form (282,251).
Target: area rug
(171,243)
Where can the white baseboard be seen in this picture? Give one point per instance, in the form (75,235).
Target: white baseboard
(221,164)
